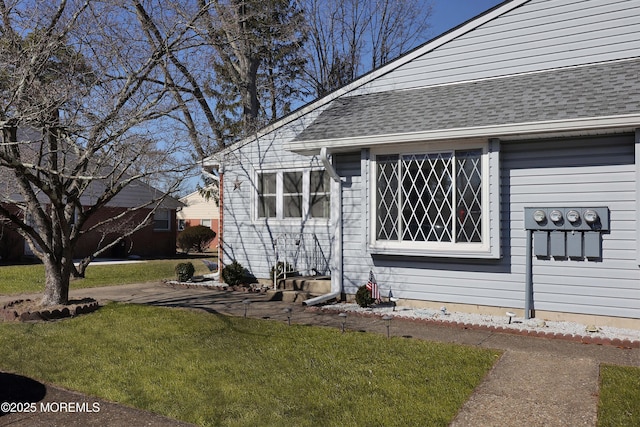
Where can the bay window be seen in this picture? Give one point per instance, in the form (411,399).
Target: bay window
(432,200)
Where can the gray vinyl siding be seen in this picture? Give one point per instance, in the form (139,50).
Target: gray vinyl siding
(579,172)
(539,35)
(249,240)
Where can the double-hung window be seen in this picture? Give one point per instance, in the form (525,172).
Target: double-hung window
(267,195)
(293,194)
(430,201)
(161,220)
(319,194)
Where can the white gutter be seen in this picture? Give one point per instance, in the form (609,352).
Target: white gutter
(335,265)
(208,174)
(581,125)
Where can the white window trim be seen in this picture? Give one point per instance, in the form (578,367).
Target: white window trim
(485,249)
(306,196)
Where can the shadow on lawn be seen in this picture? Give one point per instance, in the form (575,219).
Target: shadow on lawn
(16,389)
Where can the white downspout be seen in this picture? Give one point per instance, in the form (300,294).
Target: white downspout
(335,265)
(215,175)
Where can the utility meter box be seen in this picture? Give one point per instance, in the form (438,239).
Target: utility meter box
(567,219)
(567,232)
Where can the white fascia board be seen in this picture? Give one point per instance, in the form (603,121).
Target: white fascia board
(493,131)
(216,159)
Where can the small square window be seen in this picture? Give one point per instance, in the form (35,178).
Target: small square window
(161,220)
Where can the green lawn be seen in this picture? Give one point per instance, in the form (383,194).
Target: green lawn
(30,278)
(216,370)
(619,396)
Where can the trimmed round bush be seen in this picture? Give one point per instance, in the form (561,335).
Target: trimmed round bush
(185,271)
(196,238)
(234,274)
(363,296)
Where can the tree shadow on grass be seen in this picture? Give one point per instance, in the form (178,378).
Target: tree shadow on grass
(16,389)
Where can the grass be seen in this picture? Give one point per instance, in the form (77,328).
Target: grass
(30,278)
(217,370)
(619,396)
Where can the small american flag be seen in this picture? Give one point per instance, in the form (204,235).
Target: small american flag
(372,286)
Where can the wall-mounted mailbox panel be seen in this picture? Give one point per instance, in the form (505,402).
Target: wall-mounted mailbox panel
(574,244)
(557,246)
(592,244)
(541,243)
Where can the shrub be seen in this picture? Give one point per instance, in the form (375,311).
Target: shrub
(185,271)
(234,274)
(363,296)
(195,238)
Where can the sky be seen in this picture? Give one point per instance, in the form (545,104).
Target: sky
(447,14)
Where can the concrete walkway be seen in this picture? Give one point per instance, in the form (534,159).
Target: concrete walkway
(537,381)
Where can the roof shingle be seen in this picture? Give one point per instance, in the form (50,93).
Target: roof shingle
(600,90)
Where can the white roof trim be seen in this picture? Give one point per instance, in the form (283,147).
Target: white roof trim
(492,131)
(216,159)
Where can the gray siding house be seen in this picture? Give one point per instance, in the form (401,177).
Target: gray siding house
(495,167)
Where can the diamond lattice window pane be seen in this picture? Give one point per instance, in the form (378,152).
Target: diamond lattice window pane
(469,196)
(387,197)
(427,197)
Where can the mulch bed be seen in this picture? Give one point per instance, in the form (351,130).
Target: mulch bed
(26,310)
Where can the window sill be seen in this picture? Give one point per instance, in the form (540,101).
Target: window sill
(291,221)
(484,253)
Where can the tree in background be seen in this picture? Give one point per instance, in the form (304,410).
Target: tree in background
(258,59)
(350,37)
(233,66)
(77,122)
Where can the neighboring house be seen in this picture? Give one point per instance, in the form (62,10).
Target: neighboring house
(156,240)
(442,171)
(199,211)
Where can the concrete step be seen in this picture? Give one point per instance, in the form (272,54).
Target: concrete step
(316,285)
(288,296)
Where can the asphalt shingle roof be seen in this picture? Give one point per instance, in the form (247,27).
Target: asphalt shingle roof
(605,89)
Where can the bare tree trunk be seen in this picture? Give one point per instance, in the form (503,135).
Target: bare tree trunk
(56,288)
